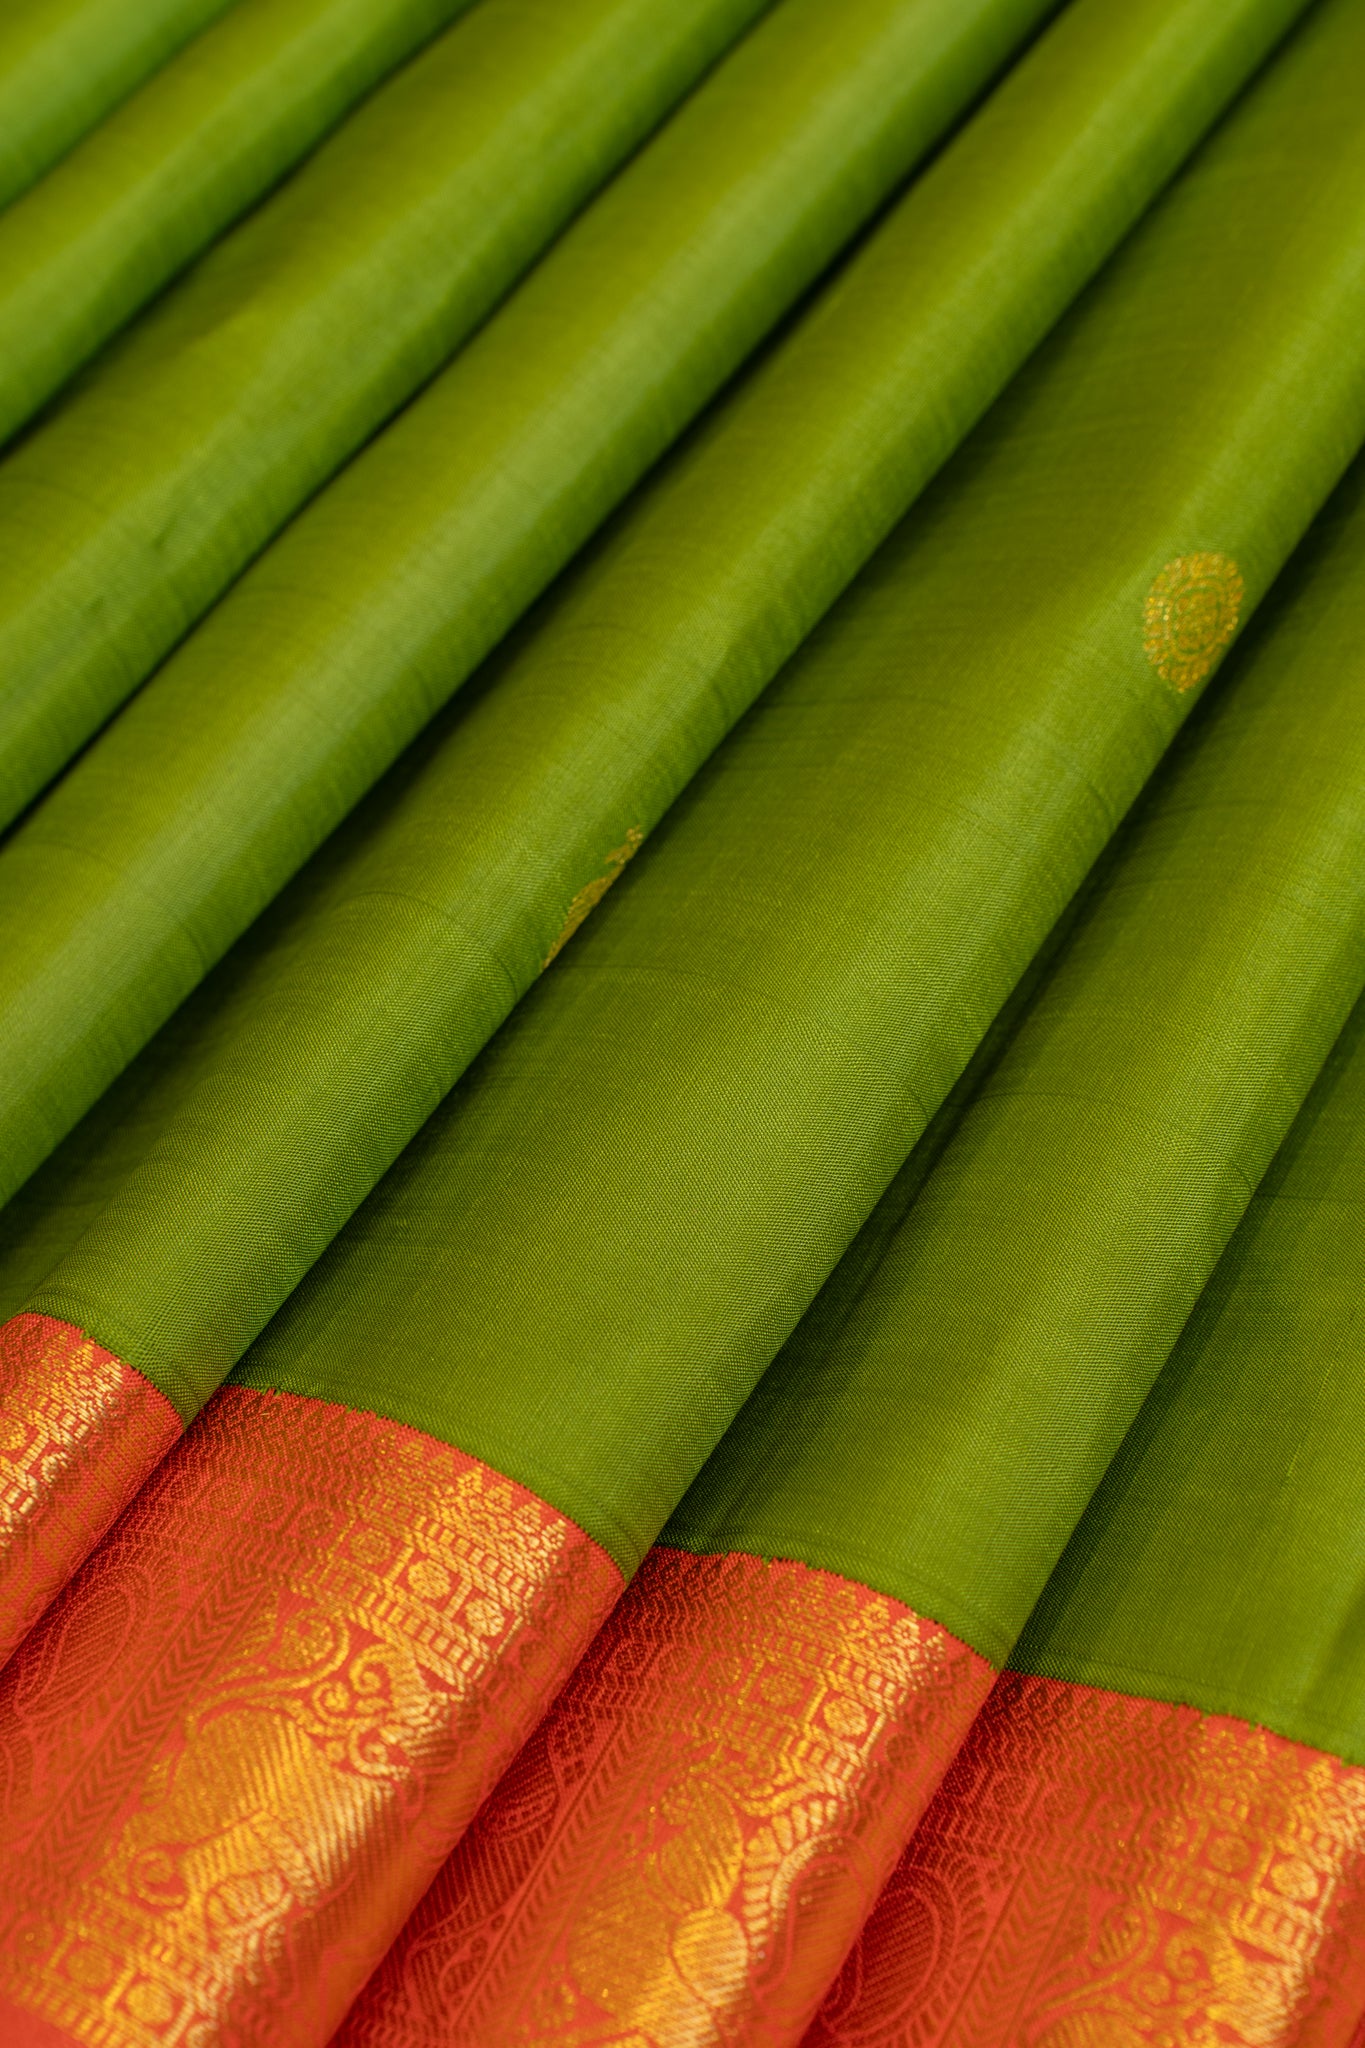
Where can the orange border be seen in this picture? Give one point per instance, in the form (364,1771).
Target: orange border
(20,2029)
(1099,1868)
(79,1432)
(687,1848)
(239,1747)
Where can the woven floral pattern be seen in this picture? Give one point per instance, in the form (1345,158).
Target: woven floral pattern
(79,1432)
(241,1745)
(686,1850)
(1106,1872)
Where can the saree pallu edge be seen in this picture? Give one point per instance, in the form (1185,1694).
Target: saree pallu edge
(712,1806)
(412,1310)
(79,1432)
(491,872)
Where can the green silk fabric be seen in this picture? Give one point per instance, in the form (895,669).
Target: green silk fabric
(183,820)
(129,511)
(65,63)
(581,1266)
(939,1421)
(1222,1562)
(174,166)
(177,1221)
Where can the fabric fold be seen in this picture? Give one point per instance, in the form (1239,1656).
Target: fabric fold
(841,111)
(416,1612)
(64,64)
(687,1845)
(185,818)
(79,1432)
(578,1270)
(1122,1867)
(125,515)
(294,693)
(694,1838)
(174,166)
(1156,1830)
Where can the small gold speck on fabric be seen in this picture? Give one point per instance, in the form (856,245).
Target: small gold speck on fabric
(1190,615)
(591,894)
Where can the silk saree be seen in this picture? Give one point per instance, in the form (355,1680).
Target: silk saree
(610,1123)
(66,63)
(565,794)
(705,1817)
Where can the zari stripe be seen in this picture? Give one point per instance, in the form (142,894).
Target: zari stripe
(79,1432)
(320,1638)
(685,1851)
(1105,1870)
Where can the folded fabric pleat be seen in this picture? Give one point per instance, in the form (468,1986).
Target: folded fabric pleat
(65,63)
(152,186)
(1104,1867)
(148,857)
(273,719)
(356,1717)
(573,1277)
(1156,1831)
(693,1839)
(807,84)
(191,1212)
(125,515)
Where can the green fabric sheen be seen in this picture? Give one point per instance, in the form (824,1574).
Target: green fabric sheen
(937,1426)
(1222,1561)
(582,1264)
(189,444)
(202,1197)
(194,808)
(174,166)
(65,63)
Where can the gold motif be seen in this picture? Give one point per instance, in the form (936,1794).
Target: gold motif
(79,1432)
(591,894)
(234,1756)
(684,1852)
(1190,615)
(1100,1871)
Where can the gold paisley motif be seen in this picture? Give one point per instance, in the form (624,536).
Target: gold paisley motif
(1190,615)
(591,894)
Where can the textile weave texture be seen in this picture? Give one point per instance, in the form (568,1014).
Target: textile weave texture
(682,1038)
